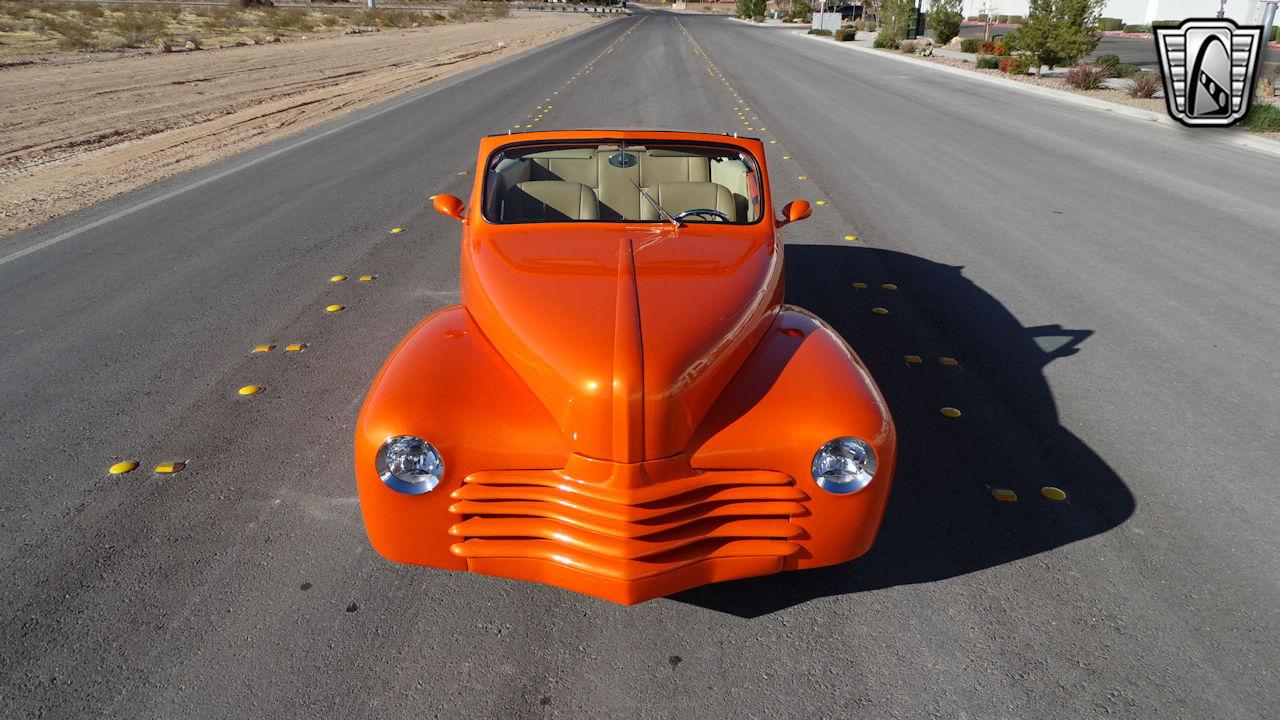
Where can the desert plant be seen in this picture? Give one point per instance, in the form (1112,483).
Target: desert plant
(1263,118)
(138,28)
(871,25)
(886,39)
(907,46)
(800,10)
(944,20)
(748,9)
(88,9)
(1060,30)
(1107,60)
(1165,23)
(846,34)
(1137,28)
(1087,77)
(1144,85)
(819,31)
(289,19)
(988,48)
(1110,24)
(1124,70)
(895,17)
(71,33)
(971,45)
(988,62)
(1015,64)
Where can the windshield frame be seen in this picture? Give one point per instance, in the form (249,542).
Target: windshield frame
(754,165)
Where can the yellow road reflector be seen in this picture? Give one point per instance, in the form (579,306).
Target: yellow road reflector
(296,347)
(337,278)
(1053,493)
(396,230)
(263,348)
(773,142)
(950,412)
(860,285)
(764,128)
(122,467)
(889,286)
(250,389)
(819,202)
(1004,495)
(367,278)
(913,359)
(169,468)
(803,177)
(786,157)
(335,308)
(851,238)
(880,310)
(948,361)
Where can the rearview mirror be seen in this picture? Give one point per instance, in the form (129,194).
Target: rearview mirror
(795,210)
(450,205)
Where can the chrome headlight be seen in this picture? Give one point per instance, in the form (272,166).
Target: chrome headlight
(844,465)
(410,465)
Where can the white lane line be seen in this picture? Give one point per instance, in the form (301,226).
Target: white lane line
(369,115)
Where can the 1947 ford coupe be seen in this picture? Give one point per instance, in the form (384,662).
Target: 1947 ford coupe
(622,405)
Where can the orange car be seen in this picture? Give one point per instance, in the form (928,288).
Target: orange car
(622,405)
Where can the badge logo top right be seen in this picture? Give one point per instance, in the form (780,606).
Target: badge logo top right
(1209,68)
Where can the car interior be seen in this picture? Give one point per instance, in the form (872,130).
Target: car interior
(616,183)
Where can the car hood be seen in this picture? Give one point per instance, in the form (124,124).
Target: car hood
(626,339)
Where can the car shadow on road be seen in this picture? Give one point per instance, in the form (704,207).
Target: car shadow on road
(943,520)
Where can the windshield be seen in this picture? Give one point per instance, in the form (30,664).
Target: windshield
(659,183)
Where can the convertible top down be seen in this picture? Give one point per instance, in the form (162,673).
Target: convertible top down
(622,405)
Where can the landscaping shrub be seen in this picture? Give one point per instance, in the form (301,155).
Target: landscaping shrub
(1087,77)
(1263,118)
(1165,23)
(1108,24)
(1137,28)
(1000,48)
(895,17)
(988,48)
(824,33)
(70,33)
(1144,85)
(943,20)
(1060,30)
(886,39)
(1107,60)
(846,34)
(1015,64)
(971,45)
(988,62)
(801,11)
(1124,70)
(907,46)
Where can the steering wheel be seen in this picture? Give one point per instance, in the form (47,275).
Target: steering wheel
(702,211)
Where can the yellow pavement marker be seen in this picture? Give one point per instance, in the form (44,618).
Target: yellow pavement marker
(251,389)
(397,230)
(368,278)
(122,467)
(913,359)
(851,238)
(296,347)
(860,286)
(948,361)
(335,308)
(337,278)
(889,286)
(1004,495)
(819,202)
(263,348)
(950,412)
(880,310)
(1053,493)
(169,468)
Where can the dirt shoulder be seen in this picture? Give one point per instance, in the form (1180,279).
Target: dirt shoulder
(78,133)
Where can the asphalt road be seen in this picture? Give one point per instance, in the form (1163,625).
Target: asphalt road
(1108,286)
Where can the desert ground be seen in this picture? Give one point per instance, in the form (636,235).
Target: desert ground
(81,127)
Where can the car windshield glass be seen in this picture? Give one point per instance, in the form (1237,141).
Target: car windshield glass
(615,182)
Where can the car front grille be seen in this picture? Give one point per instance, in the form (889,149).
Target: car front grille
(631,529)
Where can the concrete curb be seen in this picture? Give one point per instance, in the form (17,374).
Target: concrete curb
(1230,136)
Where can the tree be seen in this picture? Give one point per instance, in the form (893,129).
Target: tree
(1058,31)
(749,9)
(944,19)
(895,18)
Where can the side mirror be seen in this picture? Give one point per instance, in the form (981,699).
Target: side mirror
(450,205)
(795,210)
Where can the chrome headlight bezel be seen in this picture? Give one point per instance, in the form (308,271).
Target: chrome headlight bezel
(860,456)
(386,465)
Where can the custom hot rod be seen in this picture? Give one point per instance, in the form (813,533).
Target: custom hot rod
(622,405)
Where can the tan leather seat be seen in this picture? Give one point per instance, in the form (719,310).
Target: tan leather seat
(676,197)
(550,201)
